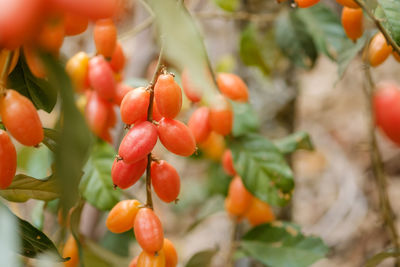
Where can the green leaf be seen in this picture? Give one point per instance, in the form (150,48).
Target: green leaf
(390,18)
(258,50)
(96,185)
(75,219)
(325,29)
(9,241)
(378,258)
(294,40)
(245,119)
(117,243)
(293,142)
(263,169)
(282,245)
(50,138)
(35,162)
(217,180)
(211,206)
(74,139)
(228,5)
(24,187)
(348,52)
(37,90)
(202,258)
(102,257)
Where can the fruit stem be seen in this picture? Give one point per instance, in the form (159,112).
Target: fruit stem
(235,236)
(159,69)
(4,72)
(388,215)
(379,24)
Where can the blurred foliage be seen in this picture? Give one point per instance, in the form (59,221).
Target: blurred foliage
(35,162)
(228,5)
(378,258)
(10,240)
(118,243)
(202,258)
(217,180)
(245,119)
(388,11)
(293,142)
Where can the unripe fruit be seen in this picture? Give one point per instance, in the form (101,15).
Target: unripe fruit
(96,113)
(352,21)
(239,198)
(134,105)
(214,146)
(101,78)
(21,118)
(105,37)
(8,162)
(259,212)
(3,58)
(75,24)
(134,261)
(117,62)
(71,250)
(176,137)
(233,87)
(138,142)
(191,91)
(227,163)
(306,3)
(77,69)
(122,216)
(124,175)
(34,62)
(348,3)
(221,115)
(51,35)
(93,9)
(148,231)
(121,90)
(199,124)
(165,180)
(151,259)
(171,257)
(168,96)
(378,50)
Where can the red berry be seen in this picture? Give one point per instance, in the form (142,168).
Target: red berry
(165,180)
(199,124)
(121,90)
(176,137)
(239,199)
(306,3)
(168,96)
(101,78)
(227,162)
(138,142)
(191,91)
(93,9)
(125,175)
(233,87)
(148,230)
(75,24)
(221,115)
(105,37)
(117,62)
(134,105)
(8,162)
(97,113)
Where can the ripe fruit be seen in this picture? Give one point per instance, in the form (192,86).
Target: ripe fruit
(75,24)
(386,103)
(233,87)
(352,21)
(138,142)
(34,62)
(51,35)
(239,199)
(176,137)
(151,259)
(105,37)
(227,162)
(96,113)
(221,115)
(14,60)
(348,3)
(378,50)
(148,231)
(121,90)
(134,261)
(125,175)
(122,216)
(191,91)
(199,124)
(134,105)
(156,114)
(117,62)
(259,212)
(77,69)
(165,180)
(71,250)
(168,96)
(101,78)
(306,3)
(171,257)
(21,118)
(8,162)
(214,146)
(93,9)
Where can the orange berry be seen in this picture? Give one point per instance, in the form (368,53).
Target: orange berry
(51,36)
(348,3)
(306,3)
(171,256)
(227,162)
(77,69)
(259,212)
(105,37)
(378,50)
(214,146)
(191,91)
(134,105)
(199,124)
(352,21)
(8,162)
(151,259)
(75,24)
(221,115)
(117,62)
(239,199)
(71,250)
(168,96)
(148,231)
(233,87)
(34,62)
(122,216)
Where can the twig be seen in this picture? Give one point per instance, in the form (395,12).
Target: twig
(239,15)
(159,67)
(234,237)
(137,29)
(379,24)
(378,169)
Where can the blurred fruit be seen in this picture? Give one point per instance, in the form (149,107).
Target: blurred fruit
(51,35)
(101,78)
(3,58)
(148,231)
(120,91)
(352,21)
(348,3)
(239,199)
(199,124)
(306,3)
(71,250)
(165,180)
(124,175)
(122,216)
(227,163)
(117,62)
(221,115)
(8,162)
(171,256)
(151,259)
(75,24)
(93,9)
(168,96)
(233,87)
(191,91)
(77,69)
(34,62)
(134,105)
(96,113)
(214,146)
(259,212)
(378,50)
(105,37)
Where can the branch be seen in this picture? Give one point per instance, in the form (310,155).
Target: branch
(239,15)
(380,26)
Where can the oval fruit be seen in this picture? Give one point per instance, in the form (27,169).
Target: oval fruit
(34,62)
(8,162)
(171,256)
(378,50)
(71,250)
(51,35)
(124,175)
(138,142)
(96,113)
(117,62)
(93,9)
(176,137)
(233,87)
(221,115)
(352,22)
(148,231)
(151,259)
(21,118)
(348,3)
(191,91)
(122,216)
(227,163)
(75,24)
(168,96)
(306,3)
(105,37)
(214,146)
(120,91)
(77,69)
(134,105)
(165,180)
(240,199)
(259,212)
(101,78)
(199,124)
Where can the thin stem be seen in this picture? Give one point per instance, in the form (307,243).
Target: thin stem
(239,15)
(234,237)
(149,201)
(137,29)
(379,24)
(5,70)
(378,169)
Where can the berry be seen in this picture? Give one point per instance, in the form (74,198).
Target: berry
(124,175)
(199,124)
(151,259)
(378,50)
(105,37)
(120,91)
(14,60)
(71,250)
(233,87)
(51,35)
(8,162)
(134,105)
(75,24)
(348,3)
(191,91)
(122,216)
(117,62)
(171,257)
(77,69)
(34,62)
(93,9)
(306,3)
(165,180)
(352,21)
(101,78)
(148,231)
(259,212)
(214,146)
(168,96)
(227,163)
(96,113)
(239,199)
(221,115)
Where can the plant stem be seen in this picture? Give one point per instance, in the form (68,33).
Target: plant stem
(159,68)
(378,169)
(137,29)
(234,238)
(379,24)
